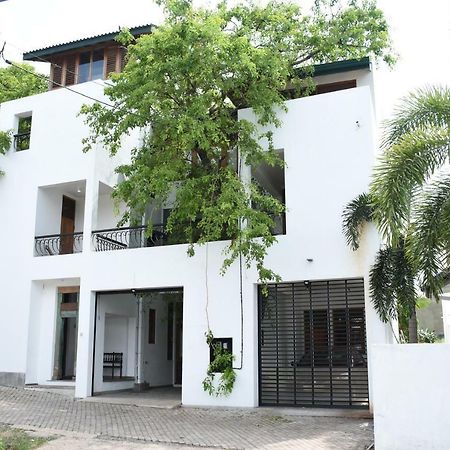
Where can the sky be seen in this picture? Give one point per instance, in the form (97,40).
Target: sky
(420,31)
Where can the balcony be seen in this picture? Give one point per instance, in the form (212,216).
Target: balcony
(58,244)
(129,237)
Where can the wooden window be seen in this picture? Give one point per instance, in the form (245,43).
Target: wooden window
(151,326)
(111,60)
(71,67)
(57,71)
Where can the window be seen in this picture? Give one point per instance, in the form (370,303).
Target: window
(90,65)
(22,138)
(82,66)
(151,326)
(270,180)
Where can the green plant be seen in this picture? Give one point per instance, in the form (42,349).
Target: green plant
(15,439)
(223,364)
(184,84)
(426,336)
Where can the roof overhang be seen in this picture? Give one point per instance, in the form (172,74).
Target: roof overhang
(80,43)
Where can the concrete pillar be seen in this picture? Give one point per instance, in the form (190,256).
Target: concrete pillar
(85,347)
(90,211)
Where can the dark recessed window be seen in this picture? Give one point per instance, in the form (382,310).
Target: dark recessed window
(22,138)
(90,66)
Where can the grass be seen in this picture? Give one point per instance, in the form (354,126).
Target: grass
(16,439)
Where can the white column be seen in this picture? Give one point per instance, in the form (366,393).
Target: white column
(85,347)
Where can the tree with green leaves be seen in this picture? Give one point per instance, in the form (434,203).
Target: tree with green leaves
(409,201)
(184,84)
(17,83)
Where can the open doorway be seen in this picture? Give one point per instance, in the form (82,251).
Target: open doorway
(139,343)
(66,331)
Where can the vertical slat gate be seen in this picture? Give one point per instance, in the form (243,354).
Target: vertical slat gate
(312,344)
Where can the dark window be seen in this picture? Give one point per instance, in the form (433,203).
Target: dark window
(270,181)
(337,86)
(83,67)
(151,326)
(97,64)
(22,138)
(91,65)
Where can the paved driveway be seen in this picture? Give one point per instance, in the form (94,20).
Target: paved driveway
(195,427)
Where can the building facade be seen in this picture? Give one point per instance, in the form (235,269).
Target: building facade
(89,304)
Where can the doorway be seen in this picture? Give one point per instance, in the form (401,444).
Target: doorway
(64,367)
(139,343)
(67,225)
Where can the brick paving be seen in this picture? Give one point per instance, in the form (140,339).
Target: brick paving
(196,427)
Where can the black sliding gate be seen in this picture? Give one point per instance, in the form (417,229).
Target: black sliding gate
(312,344)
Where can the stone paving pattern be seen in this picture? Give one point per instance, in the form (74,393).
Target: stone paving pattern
(197,427)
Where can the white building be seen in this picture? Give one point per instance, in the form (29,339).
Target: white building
(75,289)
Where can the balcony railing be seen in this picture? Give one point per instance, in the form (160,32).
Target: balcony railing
(58,244)
(130,237)
(22,141)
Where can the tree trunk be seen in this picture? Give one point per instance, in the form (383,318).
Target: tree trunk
(412,327)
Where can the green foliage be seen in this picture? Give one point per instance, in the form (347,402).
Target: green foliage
(409,199)
(427,336)
(16,83)
(5,141)
(223,364)
(358,212)
(411,187)
(183,85)
(15,439)
(392,285)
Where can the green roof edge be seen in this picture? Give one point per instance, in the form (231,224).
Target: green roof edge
(49,51)
(341,66)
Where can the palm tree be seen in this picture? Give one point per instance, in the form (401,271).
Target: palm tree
(409,200)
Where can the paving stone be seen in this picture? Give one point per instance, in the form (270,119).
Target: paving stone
(196,427)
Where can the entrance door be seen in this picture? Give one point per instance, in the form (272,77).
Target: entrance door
(67,225)
(66,334)
(312,344)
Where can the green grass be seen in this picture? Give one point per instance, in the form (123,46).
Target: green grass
(15,439)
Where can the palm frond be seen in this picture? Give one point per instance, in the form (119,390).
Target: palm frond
(356,213)
(392,285)
(428,107)
(381,289)
(404,168)
(429,243)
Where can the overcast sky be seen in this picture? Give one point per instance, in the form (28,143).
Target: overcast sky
(420,30)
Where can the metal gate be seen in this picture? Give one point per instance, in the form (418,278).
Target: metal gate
(312,344)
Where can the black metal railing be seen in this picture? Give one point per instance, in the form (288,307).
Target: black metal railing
(58,244)
(22,141)
(129,237)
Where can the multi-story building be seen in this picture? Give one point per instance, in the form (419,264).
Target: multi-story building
(80,295)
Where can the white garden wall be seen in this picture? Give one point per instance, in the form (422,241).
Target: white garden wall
(411,396)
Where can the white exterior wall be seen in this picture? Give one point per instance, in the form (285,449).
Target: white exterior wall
(329,150)
(411,395)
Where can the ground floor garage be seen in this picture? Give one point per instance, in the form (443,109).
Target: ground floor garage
(312,344)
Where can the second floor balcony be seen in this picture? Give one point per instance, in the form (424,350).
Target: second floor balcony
(58,244)
(129,237)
